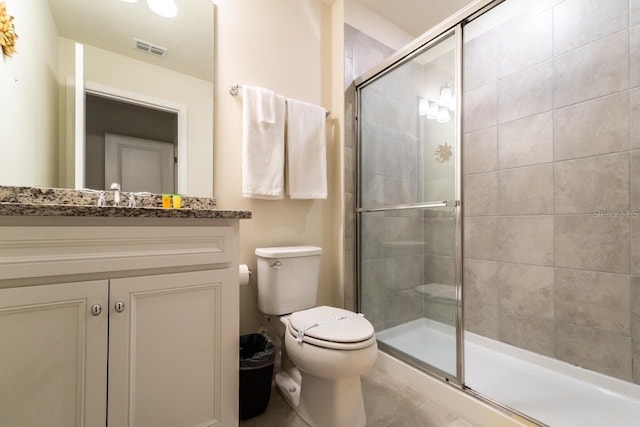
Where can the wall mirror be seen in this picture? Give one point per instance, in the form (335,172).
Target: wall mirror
(88,73)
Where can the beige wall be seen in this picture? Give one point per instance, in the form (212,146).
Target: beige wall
(117,71)
(284,45)
(28,96)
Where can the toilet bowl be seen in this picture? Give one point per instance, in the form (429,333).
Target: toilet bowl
(325,349)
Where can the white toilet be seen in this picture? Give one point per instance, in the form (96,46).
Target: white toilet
(325,349)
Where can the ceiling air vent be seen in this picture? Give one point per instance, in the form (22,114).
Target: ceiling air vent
(149,48)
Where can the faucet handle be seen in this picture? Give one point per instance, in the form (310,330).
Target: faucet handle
(115,186)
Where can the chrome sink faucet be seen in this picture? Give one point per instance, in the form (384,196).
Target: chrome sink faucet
(116,193)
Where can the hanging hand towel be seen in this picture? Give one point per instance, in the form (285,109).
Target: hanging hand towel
(306,150)
(263,114)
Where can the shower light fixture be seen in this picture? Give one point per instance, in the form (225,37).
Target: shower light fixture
(433,110)
(443,115)
(423,107)
(446,98)
(440,110)
(165,8)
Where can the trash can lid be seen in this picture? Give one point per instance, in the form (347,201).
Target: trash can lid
(331,324)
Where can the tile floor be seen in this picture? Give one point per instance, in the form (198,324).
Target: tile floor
(387,402)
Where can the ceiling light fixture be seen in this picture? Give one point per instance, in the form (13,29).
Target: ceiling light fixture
(165,8)
(128,1)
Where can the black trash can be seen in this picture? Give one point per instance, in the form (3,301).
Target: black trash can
(257,357)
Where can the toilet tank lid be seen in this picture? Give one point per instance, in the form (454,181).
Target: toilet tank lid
(288,251)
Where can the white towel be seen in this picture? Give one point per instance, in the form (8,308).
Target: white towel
(306,150)
(262,144)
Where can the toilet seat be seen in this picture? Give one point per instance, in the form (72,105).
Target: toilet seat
(332,328)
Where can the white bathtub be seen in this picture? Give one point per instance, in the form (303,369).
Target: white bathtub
(548,390)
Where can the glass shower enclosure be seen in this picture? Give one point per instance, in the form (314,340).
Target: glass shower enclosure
(515,124)
(408,207)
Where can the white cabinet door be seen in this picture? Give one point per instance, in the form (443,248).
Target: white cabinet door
(53,355)
(171,349)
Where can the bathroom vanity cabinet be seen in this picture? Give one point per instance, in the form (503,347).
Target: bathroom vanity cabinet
(118,322)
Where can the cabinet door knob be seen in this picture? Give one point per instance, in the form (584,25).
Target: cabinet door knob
(96,309)
(119,306)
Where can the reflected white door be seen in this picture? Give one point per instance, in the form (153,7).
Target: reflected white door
(139,164)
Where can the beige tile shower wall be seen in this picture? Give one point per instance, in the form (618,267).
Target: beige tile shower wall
(551,126)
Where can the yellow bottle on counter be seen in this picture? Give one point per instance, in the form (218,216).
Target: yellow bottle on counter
(166,201)
(177,201)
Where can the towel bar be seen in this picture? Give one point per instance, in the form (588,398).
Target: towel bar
(235,91)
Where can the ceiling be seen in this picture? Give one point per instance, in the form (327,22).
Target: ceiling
(415,16)
(112,25)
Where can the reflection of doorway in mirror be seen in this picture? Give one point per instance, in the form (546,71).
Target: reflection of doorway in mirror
(139,164)
(112,111)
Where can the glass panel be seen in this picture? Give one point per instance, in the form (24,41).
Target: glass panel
(408,282)
(407,131)
(550,172)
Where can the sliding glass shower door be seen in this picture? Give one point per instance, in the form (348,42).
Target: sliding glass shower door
(408,209)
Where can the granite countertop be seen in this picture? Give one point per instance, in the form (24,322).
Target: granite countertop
(41,201)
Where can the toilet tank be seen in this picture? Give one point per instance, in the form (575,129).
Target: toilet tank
(288,278)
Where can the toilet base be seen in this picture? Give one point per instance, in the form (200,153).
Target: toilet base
(323,402)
